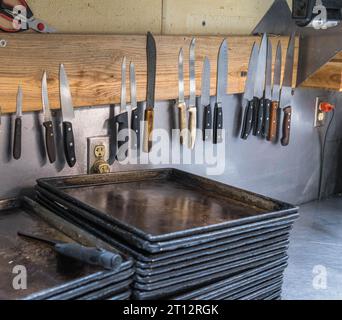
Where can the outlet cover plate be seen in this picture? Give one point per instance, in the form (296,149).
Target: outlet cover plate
(92,142)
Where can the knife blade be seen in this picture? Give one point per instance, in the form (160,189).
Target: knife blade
(135,122)
(121,120)
(68,116)
(286,92)
(181,101)
(249,93)
(205,100)
(18,126)
(151,81)
(221,90)
(192,100)
(49,131)
(268,91)
(275,95)
(259,87)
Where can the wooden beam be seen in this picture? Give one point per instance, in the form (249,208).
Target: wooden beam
(93,64)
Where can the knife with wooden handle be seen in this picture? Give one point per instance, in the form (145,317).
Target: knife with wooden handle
(285,140)
(150,99)
(181,105)
(18,126)
(192,99)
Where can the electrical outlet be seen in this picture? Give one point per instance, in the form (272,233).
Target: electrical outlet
(320,116)
(97,147)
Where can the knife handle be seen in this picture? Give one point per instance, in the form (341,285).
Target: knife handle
(69,143)
(148,129)
(260,122)
(50,141)
(218,124)
(17,139)
(122,135)
(207,123)
(135,125)
(182,122)
(267,118)
(285,140)
(248,120)
(272,135)
(192,127)
(256,104)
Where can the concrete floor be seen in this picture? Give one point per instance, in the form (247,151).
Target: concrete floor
(315,264)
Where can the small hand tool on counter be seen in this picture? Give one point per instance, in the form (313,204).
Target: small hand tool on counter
(205,101)
(18,126)
(248,96)
(16,15)
(268,91)
(68,116)
(181,101)
(93,256)
(192,99)
(258,112)
(121,120)
(150,95)
(135,117)
(286,92)
(272,135)
(221,90)
(49,131)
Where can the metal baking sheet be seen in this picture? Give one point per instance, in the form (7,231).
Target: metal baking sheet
(165,204)
(156,292)
(150,277)
(138,243)
(104,293)
(277,265)
(265,291)
(276,295)
(122,296)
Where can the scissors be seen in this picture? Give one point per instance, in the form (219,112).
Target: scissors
(16,15)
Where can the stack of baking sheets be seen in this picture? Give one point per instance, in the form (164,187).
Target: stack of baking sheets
(31,270)
(192,238)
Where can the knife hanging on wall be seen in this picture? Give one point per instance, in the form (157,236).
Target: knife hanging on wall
(192,99)
(286,92)
(274,119)
(49,132)
(268,91)
(121,119)
(249,93)
(181,105)
(18,126)
(221,90)
(135,120)
(205,101)
(150,95)
(68,116)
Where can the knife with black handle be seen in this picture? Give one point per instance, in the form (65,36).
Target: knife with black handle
(135,118)
(266,101)
(18,126)
(69,143)
(205,101)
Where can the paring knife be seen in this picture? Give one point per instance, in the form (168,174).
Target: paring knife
(205,100)
(49,132)
(268,91)
(68,116)
(181,101)
(151,81)
(272,135)
(286,92)
(121,120)
(249,93)
(135,121)
(18,125)
(221,90)
(192,100)
(258,117)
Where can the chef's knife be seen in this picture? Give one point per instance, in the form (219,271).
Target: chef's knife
(192,100)
(68,116)
(181,101)
(49,132)
(268,91)
(151,82)
(286,92)
(272,135)
(221,90)
(18,125)
(121,120)
(249,93)
(135,121)
(205,100)
(259,87)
